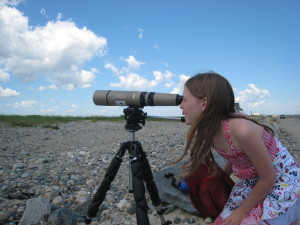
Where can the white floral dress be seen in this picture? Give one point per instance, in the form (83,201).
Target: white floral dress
(284,193)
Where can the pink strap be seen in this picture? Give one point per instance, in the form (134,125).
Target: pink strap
(226,132)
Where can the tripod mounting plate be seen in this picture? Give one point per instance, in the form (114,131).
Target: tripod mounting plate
(134,117)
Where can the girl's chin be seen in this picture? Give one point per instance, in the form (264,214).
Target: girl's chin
(187,121)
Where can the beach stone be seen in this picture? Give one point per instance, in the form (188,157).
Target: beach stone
(51,194)
(4,216)
(170,194)
(18,166)
(208,220)
(64,216)
(58,201)
(36,209)
(41,160)
(68,164)
(123,204)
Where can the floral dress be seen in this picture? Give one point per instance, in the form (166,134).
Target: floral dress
(284,193)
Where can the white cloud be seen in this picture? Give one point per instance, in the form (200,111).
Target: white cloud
(48,110)
(179,88)
(112,68)
(252,96)
(58,50)
(132,63)
(8,92)
(4,77)
(42,88)
(141,33)
(59,16)
(53,87)
(132,81)
(169,84)
(10,2)
(272,108)
(24,104)
(160,77)
(43,12)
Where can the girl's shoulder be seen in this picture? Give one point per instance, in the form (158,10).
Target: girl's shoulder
(242,128)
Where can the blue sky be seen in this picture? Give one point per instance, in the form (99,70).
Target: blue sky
(55,54)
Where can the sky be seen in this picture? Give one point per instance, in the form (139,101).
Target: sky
(55,54)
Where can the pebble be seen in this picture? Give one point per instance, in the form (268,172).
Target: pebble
(59,201)
(67,165)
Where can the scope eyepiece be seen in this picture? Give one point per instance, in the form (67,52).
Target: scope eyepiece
(133,98)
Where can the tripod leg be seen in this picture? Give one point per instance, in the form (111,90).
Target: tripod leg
(152,188)
(138,186)
(105,184)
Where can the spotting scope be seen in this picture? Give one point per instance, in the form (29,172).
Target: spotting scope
(134,98)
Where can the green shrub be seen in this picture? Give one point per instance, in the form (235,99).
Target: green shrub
(51,121)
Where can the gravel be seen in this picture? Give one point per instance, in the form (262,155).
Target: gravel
(66,166)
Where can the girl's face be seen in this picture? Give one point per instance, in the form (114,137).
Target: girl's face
(191,106)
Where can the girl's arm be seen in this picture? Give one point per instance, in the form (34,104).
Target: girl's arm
(247,137)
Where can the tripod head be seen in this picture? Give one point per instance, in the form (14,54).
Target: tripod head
(134,116)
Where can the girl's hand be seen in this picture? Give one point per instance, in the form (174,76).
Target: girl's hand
(236,217)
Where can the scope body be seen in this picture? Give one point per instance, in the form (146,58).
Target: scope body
(133,98)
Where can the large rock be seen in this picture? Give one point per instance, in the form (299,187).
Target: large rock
(64,216)
(170,194)
(39,209)
(36,209)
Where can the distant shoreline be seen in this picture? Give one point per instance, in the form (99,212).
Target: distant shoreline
(35,120)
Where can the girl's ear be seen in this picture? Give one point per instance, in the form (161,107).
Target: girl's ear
(203,103)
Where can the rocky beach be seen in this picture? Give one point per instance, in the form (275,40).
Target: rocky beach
(65,166)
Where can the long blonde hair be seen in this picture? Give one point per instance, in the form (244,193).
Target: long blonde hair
(220,106)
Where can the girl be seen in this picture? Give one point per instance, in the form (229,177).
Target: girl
(269,186)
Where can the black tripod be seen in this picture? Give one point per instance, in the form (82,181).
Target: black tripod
(140,172)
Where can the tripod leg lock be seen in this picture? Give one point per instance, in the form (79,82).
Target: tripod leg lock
(160,212)
(87,219)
